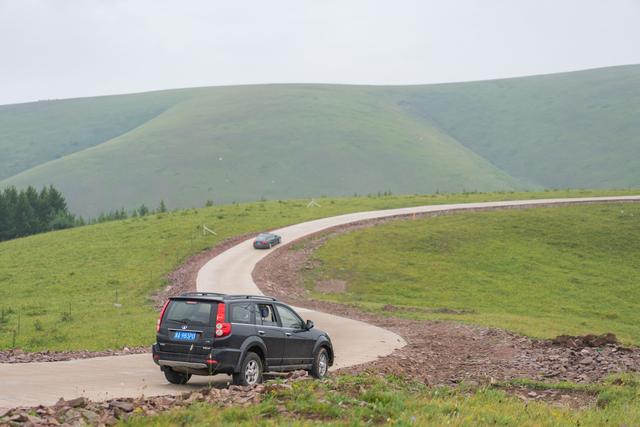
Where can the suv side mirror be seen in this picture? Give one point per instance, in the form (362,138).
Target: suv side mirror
(308,325)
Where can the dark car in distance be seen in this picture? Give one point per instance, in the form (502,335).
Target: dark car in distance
(202,333)
(266,240)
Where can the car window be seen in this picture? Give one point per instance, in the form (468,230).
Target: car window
(241,313)
(189,312)
(266,315)
(288,318)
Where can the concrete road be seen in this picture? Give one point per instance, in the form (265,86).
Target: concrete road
(100,378)
(230,272)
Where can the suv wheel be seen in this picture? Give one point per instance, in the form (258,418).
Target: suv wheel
(176,377)
(320,364)
(250,372)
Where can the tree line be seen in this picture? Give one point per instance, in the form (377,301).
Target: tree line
(28,211)
(117,214)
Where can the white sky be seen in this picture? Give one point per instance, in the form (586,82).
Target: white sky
(69,48)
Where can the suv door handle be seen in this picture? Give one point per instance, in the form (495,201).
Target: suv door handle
(288,334)
(261,332)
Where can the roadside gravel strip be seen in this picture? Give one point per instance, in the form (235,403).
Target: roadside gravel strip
(355,342)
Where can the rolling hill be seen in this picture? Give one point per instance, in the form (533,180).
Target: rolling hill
(78,274)
(242,143)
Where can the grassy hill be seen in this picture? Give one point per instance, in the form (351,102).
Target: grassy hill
(34,133)
(569,130)
(541,272)
(58,289)
(244,143)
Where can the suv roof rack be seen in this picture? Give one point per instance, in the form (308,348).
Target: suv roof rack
(201,294)
(241,296)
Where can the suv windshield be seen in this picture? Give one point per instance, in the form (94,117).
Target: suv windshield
(189,312)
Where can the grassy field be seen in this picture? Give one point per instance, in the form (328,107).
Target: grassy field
(368,400)
(540,272)
(243,143)
(89,287)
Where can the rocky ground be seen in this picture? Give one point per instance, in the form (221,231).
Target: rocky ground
(81,411)
(446,352)
(20,356)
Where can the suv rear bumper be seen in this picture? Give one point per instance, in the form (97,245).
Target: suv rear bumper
(219,361)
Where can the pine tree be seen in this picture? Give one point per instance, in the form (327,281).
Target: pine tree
(11,200)
(26,222)
(34,201)
(28,212)
(43,210)
(163,207)
(143,210)
(4,218)
(56,200)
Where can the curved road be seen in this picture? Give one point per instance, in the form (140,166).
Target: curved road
(230,272)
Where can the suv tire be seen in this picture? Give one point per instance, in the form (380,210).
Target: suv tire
(250,371)
(320,364)
(176,377)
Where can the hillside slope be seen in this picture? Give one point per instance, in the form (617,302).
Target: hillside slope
(244,143)
(67,281)
(34,133)
(241,143)
(579,129)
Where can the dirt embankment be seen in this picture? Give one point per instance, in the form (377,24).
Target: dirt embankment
(446,352)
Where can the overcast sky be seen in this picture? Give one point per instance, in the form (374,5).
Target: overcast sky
(69,48)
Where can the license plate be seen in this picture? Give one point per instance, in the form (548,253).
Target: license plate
(184,336)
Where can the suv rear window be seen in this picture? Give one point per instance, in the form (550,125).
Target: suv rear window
(189,312)
(242,313)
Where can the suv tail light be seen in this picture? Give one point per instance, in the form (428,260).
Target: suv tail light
(164,307)
(222,328)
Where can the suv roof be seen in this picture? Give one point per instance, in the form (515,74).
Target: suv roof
(221,297)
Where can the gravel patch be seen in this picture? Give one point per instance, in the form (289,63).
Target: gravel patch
(82,411)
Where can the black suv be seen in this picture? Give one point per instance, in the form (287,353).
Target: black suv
(202,333)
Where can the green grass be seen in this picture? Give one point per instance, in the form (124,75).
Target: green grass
(564,130)
(540,272)
(58,290)
(35,133)
(277,142)
(242,143)
(365,400)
